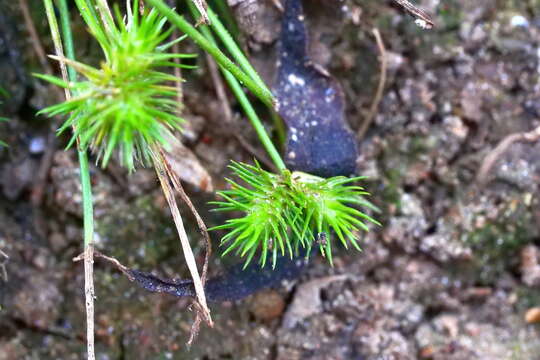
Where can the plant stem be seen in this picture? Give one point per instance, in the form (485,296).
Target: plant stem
(233,48)
(88,223)
(254,119)
(245,103)
(279,128)
(225,12)
(261,92)
(66,33)
(241,58)
(88,213)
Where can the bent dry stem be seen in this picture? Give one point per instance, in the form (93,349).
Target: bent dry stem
(161,171)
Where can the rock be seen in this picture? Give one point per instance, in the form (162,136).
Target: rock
(444,247)
(267,305)
(381,343)
(532,316)
(65,178)
(13,350)
(257,19)
(427,352)
(142,182)
(480,340)
(448,323)
(520,166)
(191,130)
(213,157)
(37,301)
(456,127)
(404,230)
(37,145)
(57,241)
(187,167)
(307,300)
(530,266)
(17,176)
(471,101)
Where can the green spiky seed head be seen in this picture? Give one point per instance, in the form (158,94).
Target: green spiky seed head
(286,212)
(128,103)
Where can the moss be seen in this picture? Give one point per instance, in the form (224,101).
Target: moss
(451,15)
(399,155)
(391,193)
(496,244)
(138,232)
(527,298)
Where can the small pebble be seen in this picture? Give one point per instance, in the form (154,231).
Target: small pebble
(423,24)
(427,352)
(37,145)
(532,316)
(519,21)
(267,305)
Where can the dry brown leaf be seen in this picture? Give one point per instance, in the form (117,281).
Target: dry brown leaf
(187,167)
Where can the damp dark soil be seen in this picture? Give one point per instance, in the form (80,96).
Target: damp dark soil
(452,273)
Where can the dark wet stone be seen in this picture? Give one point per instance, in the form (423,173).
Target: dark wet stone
(319,141)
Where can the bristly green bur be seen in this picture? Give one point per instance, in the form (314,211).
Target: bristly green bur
(285,212)
(127,104)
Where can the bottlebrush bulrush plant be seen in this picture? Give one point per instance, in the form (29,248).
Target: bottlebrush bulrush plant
(291,210)
(128,102)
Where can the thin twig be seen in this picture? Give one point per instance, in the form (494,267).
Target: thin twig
(501,148)
(422,18)
(160,167)
(202,226)
(178,186)
(380,88)
(220,88)
(124,269)
(89,297)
